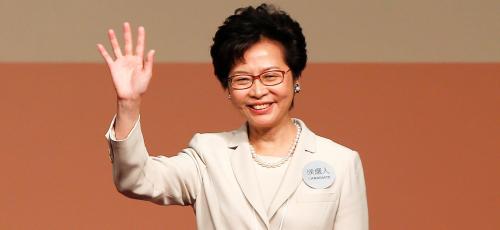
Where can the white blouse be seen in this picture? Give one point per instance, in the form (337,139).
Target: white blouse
(269,178)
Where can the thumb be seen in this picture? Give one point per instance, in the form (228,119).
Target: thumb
(148,64)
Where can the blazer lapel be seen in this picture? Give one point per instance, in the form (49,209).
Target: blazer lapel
(244,170)
(293,175)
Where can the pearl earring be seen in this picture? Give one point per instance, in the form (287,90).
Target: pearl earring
(296,88)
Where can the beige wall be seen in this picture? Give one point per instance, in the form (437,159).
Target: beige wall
(181,31)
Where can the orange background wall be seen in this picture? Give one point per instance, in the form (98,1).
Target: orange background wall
(428,135)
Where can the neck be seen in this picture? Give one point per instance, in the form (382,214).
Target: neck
(273,141)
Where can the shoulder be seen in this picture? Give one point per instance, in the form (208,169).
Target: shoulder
(325,144)
(219,139)
(208,147)
(334,152)
(326,149)
(345,161)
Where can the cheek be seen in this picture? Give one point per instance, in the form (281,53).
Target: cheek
(237,99)
(285,93)
(286,98)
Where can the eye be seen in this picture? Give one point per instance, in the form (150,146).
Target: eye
(271,76)
(241,79)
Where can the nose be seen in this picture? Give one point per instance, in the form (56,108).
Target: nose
(258,89)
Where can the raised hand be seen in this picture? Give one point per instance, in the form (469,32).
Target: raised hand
(130,72)
(131,76)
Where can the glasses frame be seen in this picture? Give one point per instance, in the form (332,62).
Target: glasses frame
(254,77)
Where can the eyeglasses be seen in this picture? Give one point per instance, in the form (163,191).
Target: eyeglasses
(268,78)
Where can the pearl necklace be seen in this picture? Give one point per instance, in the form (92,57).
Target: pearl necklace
(281,161)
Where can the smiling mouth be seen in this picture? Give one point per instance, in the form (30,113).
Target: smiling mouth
(260,107)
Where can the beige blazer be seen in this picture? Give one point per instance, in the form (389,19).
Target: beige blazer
(215,174)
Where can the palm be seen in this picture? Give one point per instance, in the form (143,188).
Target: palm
(131,74)
(128,77)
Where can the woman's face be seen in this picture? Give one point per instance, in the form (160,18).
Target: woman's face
(263,106)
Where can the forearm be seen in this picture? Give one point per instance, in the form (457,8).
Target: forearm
(126,116)
(129,159)
(163,180)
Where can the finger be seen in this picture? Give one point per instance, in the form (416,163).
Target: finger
(141,36)
(148,65)
(127,36)
(114,44)
(105,54)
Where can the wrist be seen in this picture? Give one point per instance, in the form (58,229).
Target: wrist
(128,108)
(128,104)
(126,116)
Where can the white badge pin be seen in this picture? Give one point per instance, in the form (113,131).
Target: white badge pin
(318,175)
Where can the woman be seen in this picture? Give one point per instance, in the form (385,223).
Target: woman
(273,172)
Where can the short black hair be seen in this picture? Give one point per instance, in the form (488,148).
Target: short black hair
(249,25)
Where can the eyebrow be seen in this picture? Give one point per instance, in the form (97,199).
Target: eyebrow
(263,70)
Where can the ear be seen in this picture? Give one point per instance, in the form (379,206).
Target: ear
(295,81)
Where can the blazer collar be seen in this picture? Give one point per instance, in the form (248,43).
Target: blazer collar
(244,170)
(240,136)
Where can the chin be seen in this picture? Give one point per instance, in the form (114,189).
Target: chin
(262,121)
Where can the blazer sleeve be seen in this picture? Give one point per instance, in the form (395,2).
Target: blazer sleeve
(162,180)
(352,213)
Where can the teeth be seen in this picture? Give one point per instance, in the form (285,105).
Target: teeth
(260,107)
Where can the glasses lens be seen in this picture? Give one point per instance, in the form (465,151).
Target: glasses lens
(272,77)
(241,82)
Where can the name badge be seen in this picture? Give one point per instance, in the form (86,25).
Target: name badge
(318,175)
